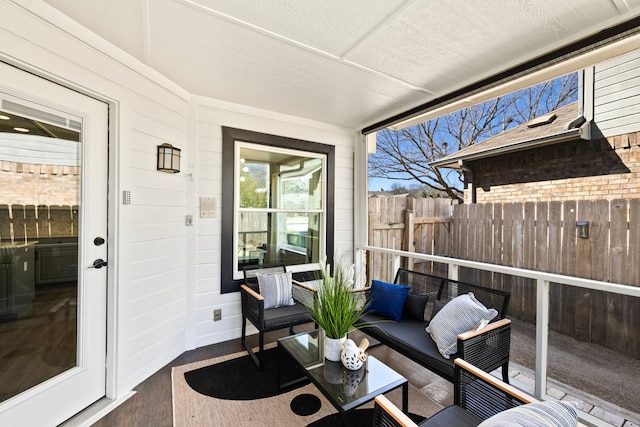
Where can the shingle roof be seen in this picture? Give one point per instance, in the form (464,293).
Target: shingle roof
(522,137)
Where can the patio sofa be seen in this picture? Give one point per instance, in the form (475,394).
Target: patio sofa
(486,348)
(481,398)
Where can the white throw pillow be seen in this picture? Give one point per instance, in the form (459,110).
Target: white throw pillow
(462,314)
(275,288)
(542,414)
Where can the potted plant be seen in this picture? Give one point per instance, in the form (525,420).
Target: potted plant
(337,306)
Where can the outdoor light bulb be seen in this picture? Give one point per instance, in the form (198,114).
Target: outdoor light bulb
(242,179)
(245,169)
(242,160)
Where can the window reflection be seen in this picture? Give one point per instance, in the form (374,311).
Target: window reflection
(280,213)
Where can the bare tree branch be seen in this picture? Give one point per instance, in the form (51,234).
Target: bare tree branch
(405,155)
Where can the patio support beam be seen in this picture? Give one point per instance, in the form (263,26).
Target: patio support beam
(542,336)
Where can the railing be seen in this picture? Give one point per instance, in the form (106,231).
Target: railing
(543,281)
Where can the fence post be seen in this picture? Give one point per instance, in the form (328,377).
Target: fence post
(542,336)
(409,242)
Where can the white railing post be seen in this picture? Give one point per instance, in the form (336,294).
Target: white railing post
(542,336)
(360,263)
(453,271)
(396,263)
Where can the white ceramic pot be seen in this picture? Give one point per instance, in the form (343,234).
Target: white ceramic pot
(333,348)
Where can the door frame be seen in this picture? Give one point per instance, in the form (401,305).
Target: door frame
(115,393)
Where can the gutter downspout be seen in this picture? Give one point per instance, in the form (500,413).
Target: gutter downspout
(468,174)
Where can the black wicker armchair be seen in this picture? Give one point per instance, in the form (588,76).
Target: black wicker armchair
(477,396)
(266,320)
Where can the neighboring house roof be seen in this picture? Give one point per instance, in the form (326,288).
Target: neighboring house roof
(560,125)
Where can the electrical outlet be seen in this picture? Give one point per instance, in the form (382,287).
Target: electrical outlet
(217,314)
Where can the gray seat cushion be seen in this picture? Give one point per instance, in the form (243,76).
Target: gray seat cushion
(276,318)
(412,338)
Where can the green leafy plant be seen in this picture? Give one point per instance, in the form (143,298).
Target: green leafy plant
(337,306)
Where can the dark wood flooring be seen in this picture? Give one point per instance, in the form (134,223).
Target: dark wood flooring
(41,344)
(151,405)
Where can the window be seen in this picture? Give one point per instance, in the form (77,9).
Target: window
(279,209)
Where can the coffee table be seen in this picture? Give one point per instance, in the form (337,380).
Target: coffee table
(345,389)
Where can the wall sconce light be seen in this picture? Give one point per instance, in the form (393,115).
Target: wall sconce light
(168,158)
(583,229)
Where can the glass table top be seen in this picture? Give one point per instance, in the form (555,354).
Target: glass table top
(346,388)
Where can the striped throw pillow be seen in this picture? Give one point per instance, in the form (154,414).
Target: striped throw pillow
(542,414)
(462,314)
(275,288)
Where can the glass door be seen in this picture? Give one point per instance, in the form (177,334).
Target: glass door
(52,250)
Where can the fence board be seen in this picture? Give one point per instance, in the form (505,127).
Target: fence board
(529,261)
(600,253)
(462,242)
(497,243)
(486,244)
(568,267)
(633,277)
(612,329)
(633,259)
(554,225)
(510,225)
(5,224)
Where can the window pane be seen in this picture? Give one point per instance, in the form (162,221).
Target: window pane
(254,183)
(271,179)
(278,238)
(301,185)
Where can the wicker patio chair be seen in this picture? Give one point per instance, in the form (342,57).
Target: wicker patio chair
(477,396)
(266,320)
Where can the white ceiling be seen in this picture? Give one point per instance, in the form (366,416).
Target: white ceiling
(346,62)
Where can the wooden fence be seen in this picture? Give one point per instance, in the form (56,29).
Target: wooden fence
(19,223)
(538,236)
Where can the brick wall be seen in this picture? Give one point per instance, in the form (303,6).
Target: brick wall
(31,184)
(578,170)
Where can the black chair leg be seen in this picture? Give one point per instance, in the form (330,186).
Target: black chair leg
(243,341)
(261,351)
(505,372)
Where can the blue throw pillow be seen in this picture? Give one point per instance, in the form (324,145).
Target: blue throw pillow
(387,299)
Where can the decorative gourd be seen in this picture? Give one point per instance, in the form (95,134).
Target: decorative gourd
(352,356)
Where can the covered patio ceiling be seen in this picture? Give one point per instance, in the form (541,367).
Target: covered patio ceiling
(349,63)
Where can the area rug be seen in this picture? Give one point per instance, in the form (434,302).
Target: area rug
(230,391)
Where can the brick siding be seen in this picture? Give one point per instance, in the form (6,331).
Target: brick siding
(578,170)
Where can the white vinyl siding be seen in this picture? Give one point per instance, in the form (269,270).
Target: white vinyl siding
(164,276)
(617,95)
(211,116)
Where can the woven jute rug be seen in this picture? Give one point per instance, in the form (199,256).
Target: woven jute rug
(190,408)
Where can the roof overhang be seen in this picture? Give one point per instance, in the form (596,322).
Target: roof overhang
(457,162)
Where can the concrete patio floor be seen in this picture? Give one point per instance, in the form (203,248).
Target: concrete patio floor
(605,383)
